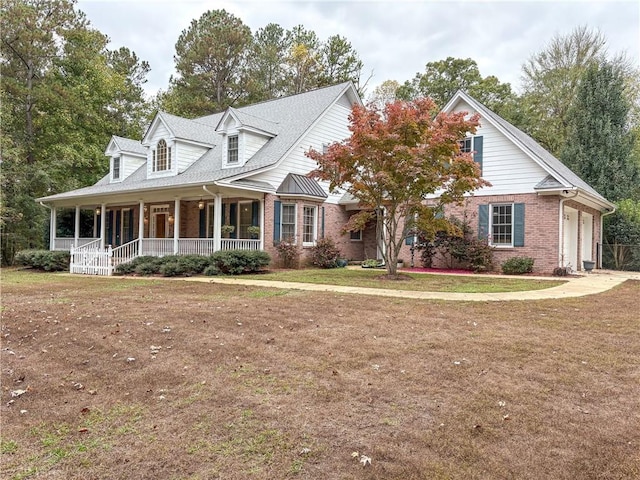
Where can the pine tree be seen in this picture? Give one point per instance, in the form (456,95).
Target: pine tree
(599,143)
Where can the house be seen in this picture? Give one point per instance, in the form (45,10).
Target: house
(536,206)
(203,185)
(198,186)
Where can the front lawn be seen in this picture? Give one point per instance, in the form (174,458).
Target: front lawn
(121,379)
(372,278)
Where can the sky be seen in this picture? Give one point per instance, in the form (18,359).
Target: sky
(394,39)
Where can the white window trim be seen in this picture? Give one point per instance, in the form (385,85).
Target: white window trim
(122,235)
(155,211)
(295,222)
(171,159)
(359,239)
(241,149)
(315,226)
(501,204)
(239,215)
(113,168)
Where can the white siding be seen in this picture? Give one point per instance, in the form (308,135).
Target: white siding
(505,165)
(252,143)
(186,154)
(130,164)
(331,128)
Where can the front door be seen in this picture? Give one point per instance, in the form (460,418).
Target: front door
(570,234)
(159,221)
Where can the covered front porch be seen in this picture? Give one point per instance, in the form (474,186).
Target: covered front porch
(109,233)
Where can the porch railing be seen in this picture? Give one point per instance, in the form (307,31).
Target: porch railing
(196,246)
(239,244)
(65,243)
(125,253)
(157,247)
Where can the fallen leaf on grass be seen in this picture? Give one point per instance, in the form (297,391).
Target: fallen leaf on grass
(18,393)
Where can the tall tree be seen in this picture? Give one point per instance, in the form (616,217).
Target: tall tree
(340,62)
(60,99)
(303,67)
(211,62)
(130,110)
(443,78)
(267,63)
(550,82)
(384,93)
(395,157)
(599,142)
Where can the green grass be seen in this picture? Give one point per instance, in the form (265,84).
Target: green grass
(419,281)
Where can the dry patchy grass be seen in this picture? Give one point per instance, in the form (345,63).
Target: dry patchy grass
(240,382)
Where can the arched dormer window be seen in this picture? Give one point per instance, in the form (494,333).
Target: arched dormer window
(162,157)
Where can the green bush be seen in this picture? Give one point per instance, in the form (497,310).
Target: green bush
(517,265)
(211,271)
(172,268)
(47,260)
(194,264)
(235,262)
(325,254)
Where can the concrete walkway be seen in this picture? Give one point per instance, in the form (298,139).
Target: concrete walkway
(596,282)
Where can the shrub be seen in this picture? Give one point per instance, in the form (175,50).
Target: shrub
(47,260)
(172,268)
(517,265)
(288,253)
(211,271)
(325,254)
(460,249)
(560,272)
(194,264)
(235,262)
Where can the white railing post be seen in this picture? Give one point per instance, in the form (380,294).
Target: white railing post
(52,229)
(141,227)
(103,224)
(217,221)
(176,225)
(261,223)
(76,232)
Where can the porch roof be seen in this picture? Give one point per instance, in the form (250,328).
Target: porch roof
(300,185)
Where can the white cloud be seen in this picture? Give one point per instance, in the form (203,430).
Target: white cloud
(395,39)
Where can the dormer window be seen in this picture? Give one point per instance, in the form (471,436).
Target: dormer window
(162,157)
(116,168)
(232,149)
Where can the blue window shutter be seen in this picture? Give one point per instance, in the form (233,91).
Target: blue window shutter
(439,214)
(118,225)
(477,146)
(255,213)
(233,219)
(518,225)
(203,222)
(109,239)
(129,214)
(483,221)
(408,240)
(322,223)
(277,211)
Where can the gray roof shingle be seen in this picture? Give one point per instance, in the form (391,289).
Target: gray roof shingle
(129,145)
(291,117)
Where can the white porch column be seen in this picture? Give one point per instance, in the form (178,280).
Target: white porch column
(53,228)
(140,227)
(217,222)
(261,223)
(103,224)
(176,226)
(76,232)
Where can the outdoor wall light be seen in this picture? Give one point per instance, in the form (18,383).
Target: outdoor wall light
(201,204)
(98,211)
(171,219)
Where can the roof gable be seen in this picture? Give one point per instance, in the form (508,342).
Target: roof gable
(126,145)
(182,129)
(558,171)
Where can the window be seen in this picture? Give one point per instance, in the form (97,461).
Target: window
(232,149)
(210,222)
(116,168)
(288,223)
(325,148)
(355,236)
(245,219)
(309,225)
(162,157)
(465,145)
(502,225)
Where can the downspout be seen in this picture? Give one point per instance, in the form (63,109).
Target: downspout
(51,234)
(602,215)
(561,228)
